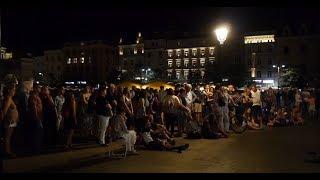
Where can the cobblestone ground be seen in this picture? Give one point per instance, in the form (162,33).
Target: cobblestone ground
(270,150)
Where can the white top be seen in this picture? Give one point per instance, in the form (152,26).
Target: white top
(256,98)
(189,97)
(147,137)
(298,98)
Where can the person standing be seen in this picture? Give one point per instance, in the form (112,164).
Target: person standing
(256,105)
(35,117)
(69,113)
(50,118)
(58,102)
(104,112)
(9,115)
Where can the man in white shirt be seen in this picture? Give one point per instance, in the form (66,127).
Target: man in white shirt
(256,105)
(190,96)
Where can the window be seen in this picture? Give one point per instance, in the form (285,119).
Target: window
(194,51)
(186,73)
(169,74)
(269,61)
(75,60)
(186,52)
(120,51)
(211,50)
(186,62)
(202,52)
(178,74)
(170,63)
(249,62)
(202,61)
(135,51)
(142,51)
(269,74)
(178,62)
(259,74)
(194,62)
(178,52)
(211,60)
(202,74)
(82,60)
(259,48)
(170,53)
(69,61)
(269,48)
(259,61)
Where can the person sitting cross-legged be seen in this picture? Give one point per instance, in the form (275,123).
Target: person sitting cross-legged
(152,143)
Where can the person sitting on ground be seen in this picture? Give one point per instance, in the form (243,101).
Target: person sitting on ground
(193,129)
(250,122)
(282,118)
(157,143)
(209,132)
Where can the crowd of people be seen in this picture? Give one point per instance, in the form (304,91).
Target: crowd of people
(39,116)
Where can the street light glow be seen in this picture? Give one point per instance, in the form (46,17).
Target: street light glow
(283,66)
(274,66)
(221,33)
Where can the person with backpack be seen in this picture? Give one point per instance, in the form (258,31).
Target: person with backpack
(171,105)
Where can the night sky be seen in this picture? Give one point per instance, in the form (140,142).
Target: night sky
(36,29)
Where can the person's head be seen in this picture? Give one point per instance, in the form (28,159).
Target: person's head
(188,87)
(27,86)
(45,90)
(218,87)
(69,98)
(207,88)
(170,92)
(9,90)
(120,90)
(161,88)
(143,93)
(254,88)
(126,91)
(182,91)
(112,88)
(102,91)
(36,88)
(197,88)
(61,90)
(86,89)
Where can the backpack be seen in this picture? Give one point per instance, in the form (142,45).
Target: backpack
(169,106)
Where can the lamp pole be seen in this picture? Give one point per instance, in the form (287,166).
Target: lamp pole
(278,68)
(221,34)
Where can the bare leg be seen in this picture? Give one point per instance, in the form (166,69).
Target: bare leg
(7,140)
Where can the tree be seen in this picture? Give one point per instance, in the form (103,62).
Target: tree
(292,77)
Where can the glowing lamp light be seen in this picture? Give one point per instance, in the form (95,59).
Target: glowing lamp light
(283,66)
(221,33)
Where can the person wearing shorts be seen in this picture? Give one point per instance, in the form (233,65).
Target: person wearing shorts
(256,105)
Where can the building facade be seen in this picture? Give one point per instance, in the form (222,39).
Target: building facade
(54,66)
(260,58)
(90,61)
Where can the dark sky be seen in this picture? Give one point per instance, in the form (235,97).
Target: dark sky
(34,30)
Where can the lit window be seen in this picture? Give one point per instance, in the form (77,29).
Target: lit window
(202,51)
(194,51)
(170,53)
(186,73)
(202,61)
(120,51)
(202,74)
(75,60)
(135,51)
(186,52)
(178,62)
(69,61)
(211,50)
(211,60)
(170,63)
(178,74)
(178,52)
(194,62)
(186,62)
(82,60)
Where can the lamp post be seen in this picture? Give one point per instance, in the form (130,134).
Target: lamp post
(221,33)
(278,68)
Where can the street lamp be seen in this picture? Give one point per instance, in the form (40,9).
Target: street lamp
(278,67)
(221,33)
